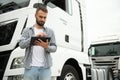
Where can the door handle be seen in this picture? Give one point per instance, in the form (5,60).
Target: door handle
(67,38)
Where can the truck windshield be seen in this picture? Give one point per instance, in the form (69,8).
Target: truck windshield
(112,49)
(9,5)
(6,31)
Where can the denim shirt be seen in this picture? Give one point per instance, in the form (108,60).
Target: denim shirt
(24,43)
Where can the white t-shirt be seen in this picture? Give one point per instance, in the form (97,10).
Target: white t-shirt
(38,57)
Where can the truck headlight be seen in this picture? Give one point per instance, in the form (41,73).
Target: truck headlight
(17,63)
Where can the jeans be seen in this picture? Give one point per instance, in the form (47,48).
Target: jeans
(37,73)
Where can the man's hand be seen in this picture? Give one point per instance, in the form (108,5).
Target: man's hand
(39,42)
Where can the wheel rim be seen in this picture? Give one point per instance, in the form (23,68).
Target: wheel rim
(69,76)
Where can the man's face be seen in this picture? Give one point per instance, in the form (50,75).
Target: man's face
(41,18)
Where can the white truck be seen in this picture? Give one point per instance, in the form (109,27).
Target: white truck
(68,20)
(105,53)
(105,31)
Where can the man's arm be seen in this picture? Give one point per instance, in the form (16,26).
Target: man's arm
(52,47)
(25,39)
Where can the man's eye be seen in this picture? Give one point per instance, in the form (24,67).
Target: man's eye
(40,17)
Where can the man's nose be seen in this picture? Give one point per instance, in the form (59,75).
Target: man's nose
(43,19)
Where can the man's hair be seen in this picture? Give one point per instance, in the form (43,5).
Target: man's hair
(42,7)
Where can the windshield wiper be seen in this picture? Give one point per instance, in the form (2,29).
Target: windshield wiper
(8,7)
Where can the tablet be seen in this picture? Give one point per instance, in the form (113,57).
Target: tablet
(42,38)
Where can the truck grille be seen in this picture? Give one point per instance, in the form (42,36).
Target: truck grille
(111,62)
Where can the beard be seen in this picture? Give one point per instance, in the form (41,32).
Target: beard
(40,23)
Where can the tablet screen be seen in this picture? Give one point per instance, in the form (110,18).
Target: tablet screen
(42,38)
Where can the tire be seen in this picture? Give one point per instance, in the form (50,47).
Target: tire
(69,73)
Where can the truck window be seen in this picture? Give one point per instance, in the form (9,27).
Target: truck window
(10,5)
(64,5)
(112,49)
(6,32)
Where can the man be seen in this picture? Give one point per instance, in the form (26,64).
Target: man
(37,60)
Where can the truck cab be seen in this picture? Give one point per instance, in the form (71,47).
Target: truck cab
(105,53)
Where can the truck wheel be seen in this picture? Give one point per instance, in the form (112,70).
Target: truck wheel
(109,74)
(69,73)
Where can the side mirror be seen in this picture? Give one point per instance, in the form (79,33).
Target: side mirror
(47,1)
(36,5)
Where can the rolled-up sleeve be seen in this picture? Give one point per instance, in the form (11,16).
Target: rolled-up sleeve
(52,45)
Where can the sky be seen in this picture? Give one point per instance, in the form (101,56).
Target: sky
(103,17)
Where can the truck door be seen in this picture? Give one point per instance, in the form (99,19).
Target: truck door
(59,18)
(11,28)
(66,19)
